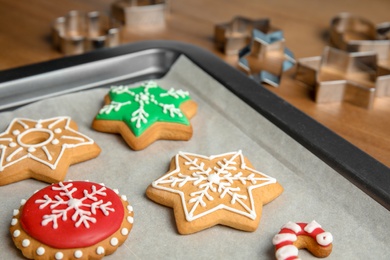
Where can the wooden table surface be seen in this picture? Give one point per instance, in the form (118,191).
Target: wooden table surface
(25,39)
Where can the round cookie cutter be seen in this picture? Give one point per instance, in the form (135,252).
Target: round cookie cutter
(78,32)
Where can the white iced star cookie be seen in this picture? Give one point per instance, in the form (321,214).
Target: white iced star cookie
(207,191)
(72,220)
(42,149)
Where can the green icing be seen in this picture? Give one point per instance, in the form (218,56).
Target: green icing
(143,106)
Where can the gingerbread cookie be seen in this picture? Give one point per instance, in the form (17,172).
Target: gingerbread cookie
(294,236)
(145,114)
(42,149)
(207,191)
(72,220)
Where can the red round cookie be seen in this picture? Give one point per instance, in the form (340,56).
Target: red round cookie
(72,219)
(82,212)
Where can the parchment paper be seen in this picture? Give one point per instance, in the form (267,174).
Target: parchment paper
(313,191)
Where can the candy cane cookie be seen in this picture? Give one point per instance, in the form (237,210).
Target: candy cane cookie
(294,236)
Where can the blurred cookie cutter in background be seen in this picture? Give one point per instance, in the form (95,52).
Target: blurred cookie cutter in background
(266,57)
(339,76)
(354,34)
(232,36)
(140,13)
(79,32)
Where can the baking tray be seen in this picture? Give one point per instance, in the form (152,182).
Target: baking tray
(306,158)
(152,59)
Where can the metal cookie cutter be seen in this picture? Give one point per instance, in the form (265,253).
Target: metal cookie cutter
(78,32)
(231,37)
(353,33)
(339,76)
(266,58)
(135,13)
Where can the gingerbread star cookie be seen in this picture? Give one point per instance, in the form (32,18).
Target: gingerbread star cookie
(206,191)
(42,149)
(145,114)
(72,220)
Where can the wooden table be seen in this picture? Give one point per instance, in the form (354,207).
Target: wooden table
(25,39)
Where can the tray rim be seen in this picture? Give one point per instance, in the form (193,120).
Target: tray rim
(358,167)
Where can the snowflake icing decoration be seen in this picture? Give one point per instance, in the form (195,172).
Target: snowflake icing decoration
(64,203)
(228,176)
(141,107)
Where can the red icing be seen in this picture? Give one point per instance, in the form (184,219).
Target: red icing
(313,235)
(67,235)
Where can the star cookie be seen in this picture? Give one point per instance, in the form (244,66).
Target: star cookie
(42,149)
(207,191)
(145,114)
(72,220)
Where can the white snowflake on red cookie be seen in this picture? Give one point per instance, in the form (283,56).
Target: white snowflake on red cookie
(83,210)
(72,220)
(207,185)
(42,149)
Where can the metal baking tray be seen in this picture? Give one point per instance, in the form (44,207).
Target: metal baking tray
(153,59)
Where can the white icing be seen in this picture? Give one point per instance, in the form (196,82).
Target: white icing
(59,256)
(228,174)
(293,226)
(22,202)
(33,131)
(279,238)
(130,208)
(100,250)
(324,239)
(16,233)
(26,242)
(14,221)
(114,241)
(140,116)
(130,219)
(82,211)
(124,231)
(286,252)
(124,198)
(15,212)
(10,156)
(40,250)
(72,138)
(20,122)
(78,254)
(312,226)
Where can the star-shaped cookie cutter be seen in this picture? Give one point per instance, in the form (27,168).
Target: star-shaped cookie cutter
(207,191)
(354,33)
(136,13)
(232,36)
(266,58)
(339,76)
(78,32)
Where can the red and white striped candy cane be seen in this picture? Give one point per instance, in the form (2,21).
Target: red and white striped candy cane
(294,236)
